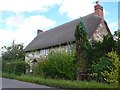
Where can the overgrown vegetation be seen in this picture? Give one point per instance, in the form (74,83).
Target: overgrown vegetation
(101,61)
(111,75)
(57,65)
(100,49)
(13,59)
(13,52)
(16,67)
(101,66)
(59,83)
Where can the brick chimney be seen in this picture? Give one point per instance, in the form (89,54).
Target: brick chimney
(98,10)
(39,31)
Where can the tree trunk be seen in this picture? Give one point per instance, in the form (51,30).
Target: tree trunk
(81,67)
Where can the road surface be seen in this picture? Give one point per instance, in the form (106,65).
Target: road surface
(10,83)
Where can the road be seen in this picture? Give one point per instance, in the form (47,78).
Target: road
(10,83)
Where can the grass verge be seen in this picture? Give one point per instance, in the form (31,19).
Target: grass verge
(57,83)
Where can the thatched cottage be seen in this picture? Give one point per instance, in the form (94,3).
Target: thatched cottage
(62,37)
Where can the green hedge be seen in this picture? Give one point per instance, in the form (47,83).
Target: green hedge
(101,66)
(58,65)
(17,67)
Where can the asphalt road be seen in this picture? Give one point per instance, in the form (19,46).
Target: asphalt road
(10,83)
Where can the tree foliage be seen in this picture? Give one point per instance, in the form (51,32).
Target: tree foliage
(112,75)
(82,46)
(103,64)
(117,35)
(100,49)
(104,58)
(15,67)
(13,52)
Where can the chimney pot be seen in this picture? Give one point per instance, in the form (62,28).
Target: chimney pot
(97,2)
(39,31)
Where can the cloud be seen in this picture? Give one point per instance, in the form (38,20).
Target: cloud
(109,0)
(26,29)
(76,8)
(21,27)
(27,5)
(15,21)
(113,26)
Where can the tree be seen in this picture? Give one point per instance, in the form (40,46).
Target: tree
(112,75)
(82,46)
(100,49)
(117,37)
(13,52)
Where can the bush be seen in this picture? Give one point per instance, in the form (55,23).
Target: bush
(38,68)
(58,65)
(107,69)
(18,67)
(112,75)
(97,69)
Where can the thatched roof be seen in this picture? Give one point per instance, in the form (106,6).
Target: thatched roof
(63,33)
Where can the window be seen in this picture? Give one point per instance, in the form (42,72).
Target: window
(41,52)
(69,47)
(46,51)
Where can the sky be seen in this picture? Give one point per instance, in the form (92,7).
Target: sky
(20,19)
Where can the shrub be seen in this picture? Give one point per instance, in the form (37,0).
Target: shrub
(18,67)
(112,76)
(58,65)
(38,68)
(103,65)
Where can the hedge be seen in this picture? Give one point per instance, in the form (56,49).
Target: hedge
(17,67)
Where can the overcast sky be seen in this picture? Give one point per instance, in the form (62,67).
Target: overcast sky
(20,19)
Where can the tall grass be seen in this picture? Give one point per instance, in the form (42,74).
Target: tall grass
(59,83)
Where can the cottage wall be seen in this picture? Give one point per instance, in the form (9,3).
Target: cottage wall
(99,33)
(41,54)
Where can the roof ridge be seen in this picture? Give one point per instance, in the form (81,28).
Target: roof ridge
(67,23)
(63,33)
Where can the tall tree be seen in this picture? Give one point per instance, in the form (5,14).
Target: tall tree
(13,52)
(82,46)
